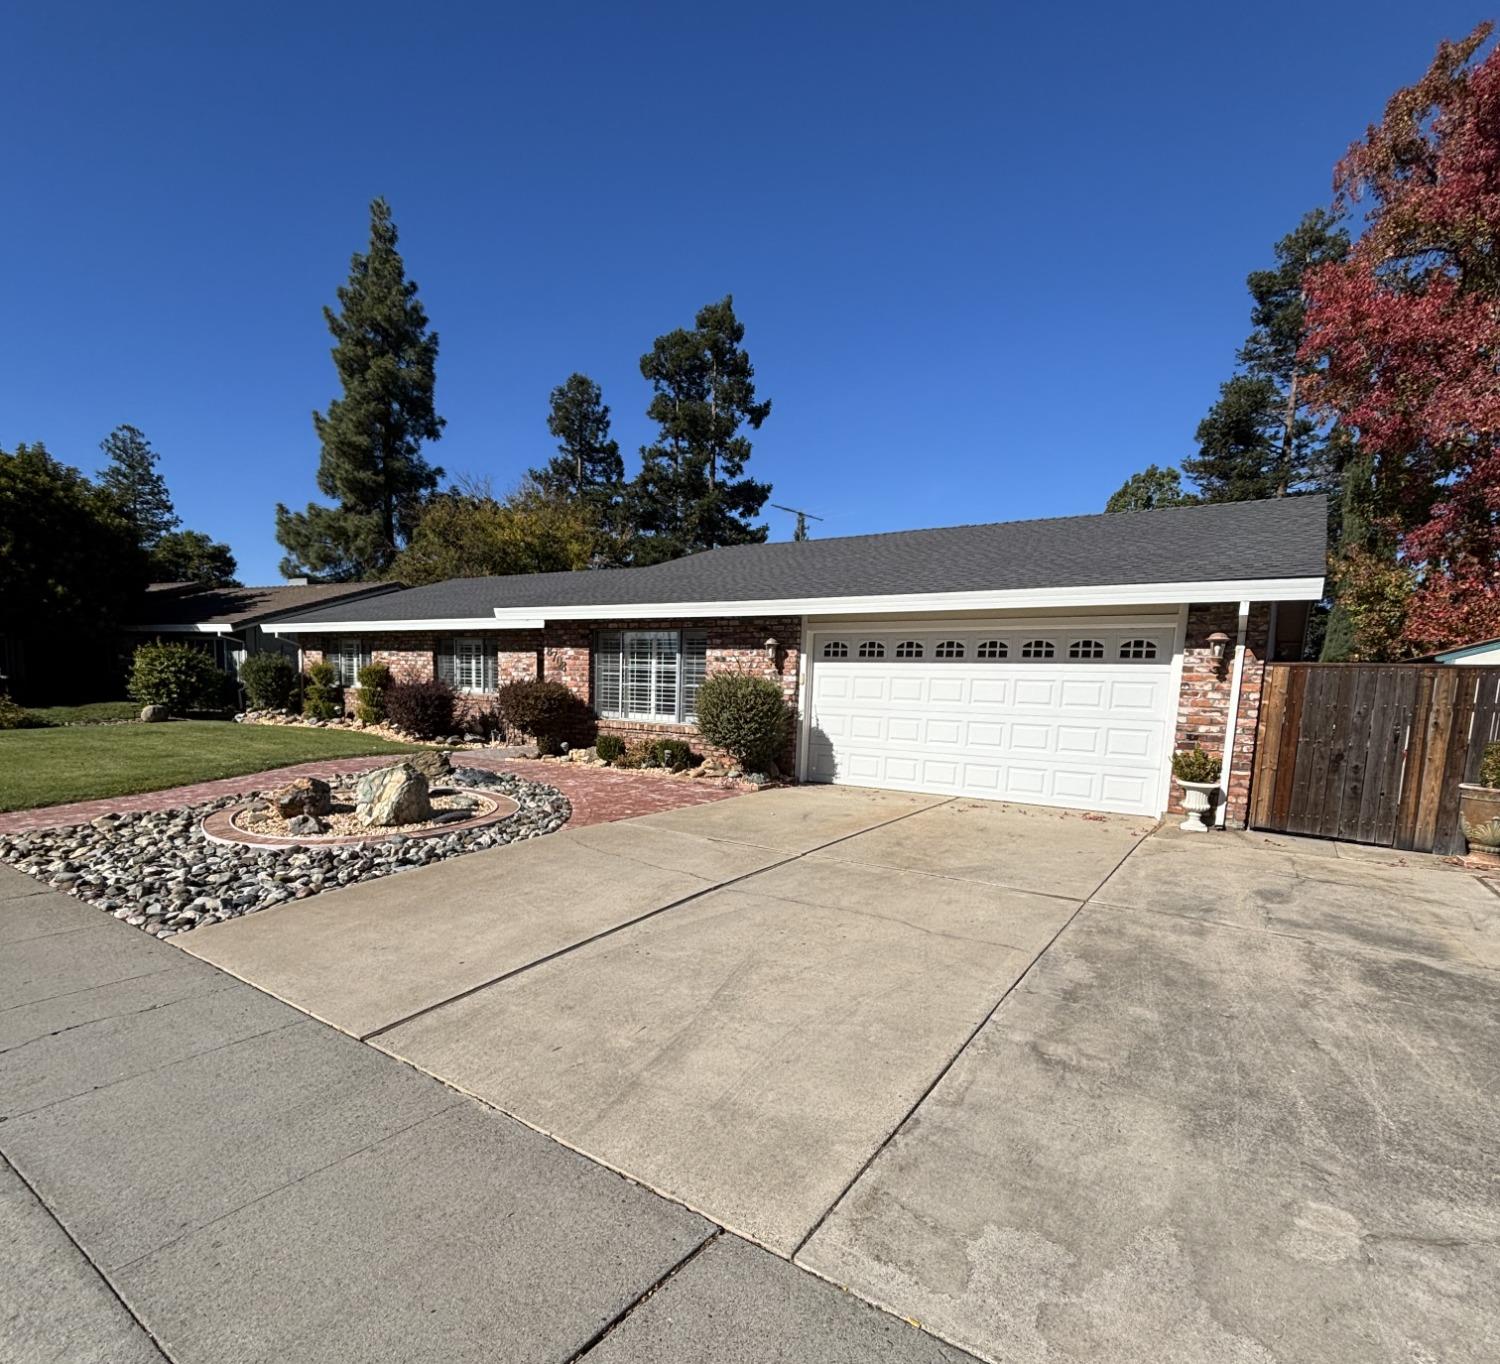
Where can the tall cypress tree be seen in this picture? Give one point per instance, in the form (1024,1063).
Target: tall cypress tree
(138,491)
(371,438)
(692,492)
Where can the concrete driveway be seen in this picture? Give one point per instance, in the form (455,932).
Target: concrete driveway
(1052,1087)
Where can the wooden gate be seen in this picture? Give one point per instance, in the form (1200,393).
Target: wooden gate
(1371,752)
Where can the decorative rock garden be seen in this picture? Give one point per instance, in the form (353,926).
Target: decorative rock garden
(172,870)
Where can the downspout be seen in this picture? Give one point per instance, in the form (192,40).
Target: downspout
(1232,723)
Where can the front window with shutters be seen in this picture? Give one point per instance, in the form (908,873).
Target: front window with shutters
(348,655)
(649,674)
(466,663)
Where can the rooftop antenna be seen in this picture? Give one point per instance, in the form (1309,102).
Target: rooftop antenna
(802,519)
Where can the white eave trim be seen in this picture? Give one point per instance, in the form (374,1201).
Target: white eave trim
(381,627)
(180,629)
(1081,598)
(1029,598)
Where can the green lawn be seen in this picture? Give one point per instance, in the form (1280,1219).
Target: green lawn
(53,766)
(96,713)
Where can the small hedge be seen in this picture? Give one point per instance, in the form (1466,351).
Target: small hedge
(13,715)
(1489,766)
(1193,764)
(673,754)
(374,682)
(548,712)
(746,716)
(269,680)
(424,708)
(610,748)
(176,676)
(321,696)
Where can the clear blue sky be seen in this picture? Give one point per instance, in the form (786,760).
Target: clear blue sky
(991,258)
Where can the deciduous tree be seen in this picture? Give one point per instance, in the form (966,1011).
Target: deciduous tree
(371,437)
(692,492)
(189,556)
(1406,331)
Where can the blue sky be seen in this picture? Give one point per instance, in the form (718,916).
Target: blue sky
(990,258)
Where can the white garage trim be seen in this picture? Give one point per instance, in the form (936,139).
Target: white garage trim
(1076,711)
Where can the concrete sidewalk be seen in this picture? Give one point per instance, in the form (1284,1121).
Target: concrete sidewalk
(197,1173)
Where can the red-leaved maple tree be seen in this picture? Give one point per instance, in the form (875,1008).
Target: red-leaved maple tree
(1406,330)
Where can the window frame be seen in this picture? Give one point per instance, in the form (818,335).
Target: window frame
(469,654)
(347,647)
(688,670)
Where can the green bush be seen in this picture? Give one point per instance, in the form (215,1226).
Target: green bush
(374,682)
(1489,766)
(548,712)
(176,676)
(321,696)
(610,748)
(1193,764)
(423,708)
(746,716)
(674,754)
(269,680)
(641,753)
(15,716)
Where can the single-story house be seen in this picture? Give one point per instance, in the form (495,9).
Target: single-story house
(1483,653)
(1055,661)
(229,622)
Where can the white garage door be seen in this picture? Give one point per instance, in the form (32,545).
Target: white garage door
(1078,715)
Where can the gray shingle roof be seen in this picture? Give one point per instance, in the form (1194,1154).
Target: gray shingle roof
(192,604)
(1281,538)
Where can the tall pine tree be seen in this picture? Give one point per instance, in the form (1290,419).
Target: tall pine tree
(371,461)
(1259,439)
(692,492)
(130,480)
(587,469)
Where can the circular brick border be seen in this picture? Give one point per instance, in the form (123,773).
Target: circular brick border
(219,827)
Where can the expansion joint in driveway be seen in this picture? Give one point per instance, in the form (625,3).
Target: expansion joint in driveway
(953,1060)
(639,919)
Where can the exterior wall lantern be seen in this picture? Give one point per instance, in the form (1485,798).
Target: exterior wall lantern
(773,647)
(1218,646)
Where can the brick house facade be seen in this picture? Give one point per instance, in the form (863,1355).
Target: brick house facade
(563,652)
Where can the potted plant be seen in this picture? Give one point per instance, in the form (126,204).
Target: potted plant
(1197,773)
(1479,809)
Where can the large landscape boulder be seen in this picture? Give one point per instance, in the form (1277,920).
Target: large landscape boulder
(432,763)
(392,795)
(154,715)
(303,796)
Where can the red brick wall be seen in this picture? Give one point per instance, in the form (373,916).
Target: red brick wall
(1203,703)
(561,653)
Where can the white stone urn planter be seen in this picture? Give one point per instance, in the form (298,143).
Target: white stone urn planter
(1198,801)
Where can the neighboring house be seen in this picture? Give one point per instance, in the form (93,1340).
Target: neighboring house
(230,622)
(1483,654)
(1058,661)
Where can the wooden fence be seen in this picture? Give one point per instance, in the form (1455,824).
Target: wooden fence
(1371,752)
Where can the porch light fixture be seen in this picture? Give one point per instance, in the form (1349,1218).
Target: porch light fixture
(772,646)
(1217,643)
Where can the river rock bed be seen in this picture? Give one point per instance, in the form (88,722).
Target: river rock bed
(158,871)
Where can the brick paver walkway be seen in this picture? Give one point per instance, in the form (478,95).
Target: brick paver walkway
(598,794)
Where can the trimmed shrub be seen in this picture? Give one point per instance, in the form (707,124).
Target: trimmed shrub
(269,680)
(176,676)
(610,748)
(746,716)
(676,755)
(13,715)
(374,682)
(1193,764)
(641,753)
(322,699)
(548,712)
(484,721)
(422,708)
(1489,766)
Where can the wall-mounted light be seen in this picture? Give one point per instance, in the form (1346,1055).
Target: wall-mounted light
(771,647)
(1218,645)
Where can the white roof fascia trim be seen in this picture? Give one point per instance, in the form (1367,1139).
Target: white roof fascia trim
(1118,594)
(369,627)
(181,629)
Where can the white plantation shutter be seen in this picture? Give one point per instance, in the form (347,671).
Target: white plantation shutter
(694,667)
(473,664)
(608,674)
